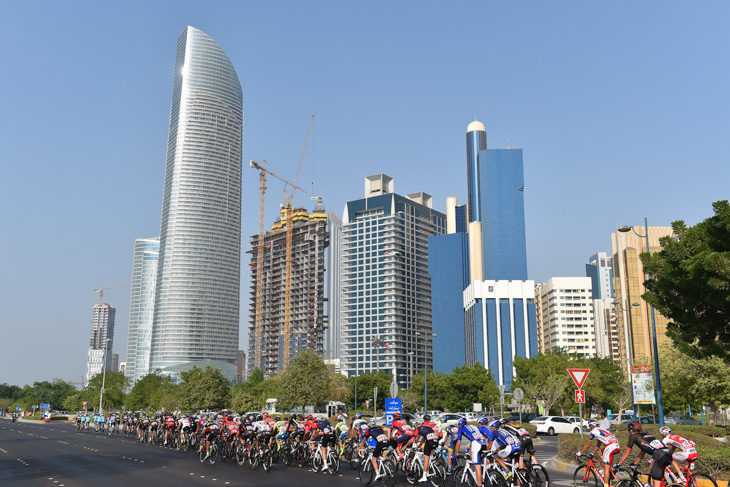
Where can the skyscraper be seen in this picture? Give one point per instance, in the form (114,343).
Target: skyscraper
(386,289)
(102,340)
(333,336)
(566,315)
(600,269)
(476,141)
(197,293)
(141,307)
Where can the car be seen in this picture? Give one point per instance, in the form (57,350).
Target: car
(526,417)
(452,418)
(554,424)
(576,420)
(647,420)
(625,418)
(681,419)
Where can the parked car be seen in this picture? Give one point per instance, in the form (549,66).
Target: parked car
(452,418)
(554,424)
(647,420)
(578,421)
(526,417)
(681,419)
(625,418)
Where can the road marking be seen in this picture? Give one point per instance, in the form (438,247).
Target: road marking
(2,450)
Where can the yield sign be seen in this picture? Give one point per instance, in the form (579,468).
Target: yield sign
(579,376)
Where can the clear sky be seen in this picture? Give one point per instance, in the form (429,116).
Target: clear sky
(621,109)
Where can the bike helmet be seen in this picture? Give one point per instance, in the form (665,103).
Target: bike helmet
(444,418)
(259,417)
(634,426)
(310,417)
(230,417)
(396,416)
(592,423)
(494,424)
(483,421)
(265,415)
(462,422)
(358,415)
(372,423)
(278,418)
(340,419)
(665,430)
(427,417)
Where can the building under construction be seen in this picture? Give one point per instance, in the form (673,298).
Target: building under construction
(291,290)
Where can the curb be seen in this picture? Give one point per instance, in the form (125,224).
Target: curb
(560,465)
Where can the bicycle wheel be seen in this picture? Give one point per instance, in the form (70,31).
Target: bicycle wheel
(495,478)
(461,477)
(366,473)
(288,455)
(542,479)
(213,454)
(584,477)
(301,456)
(390,467)
(333,462)
(253,458)
(526,478)
(266,460)
(240,455)
(201,454)
(413,471)
(355,459)
(437,473)
(316,462)
(703,480)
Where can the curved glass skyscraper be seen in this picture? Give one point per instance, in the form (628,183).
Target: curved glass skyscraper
(199,271)
(476,140)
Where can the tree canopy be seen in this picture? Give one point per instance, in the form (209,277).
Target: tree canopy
(690,284)
(204,389)
(114,386)
(152,392)
(307,380)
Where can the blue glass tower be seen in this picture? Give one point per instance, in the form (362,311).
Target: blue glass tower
(503,214)
(476,141)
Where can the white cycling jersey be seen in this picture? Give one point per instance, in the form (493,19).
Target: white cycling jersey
(261,427)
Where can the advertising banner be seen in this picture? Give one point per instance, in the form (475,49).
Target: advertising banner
(642,380)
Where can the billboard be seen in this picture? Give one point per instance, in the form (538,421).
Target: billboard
(642,380)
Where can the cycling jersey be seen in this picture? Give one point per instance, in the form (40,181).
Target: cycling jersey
(341,430)
(402,427)
(430,437)
(478,442)
(379,436)
(486,431)
(687,451)
(655,448)
(602,436)
(261,428)
(361,426)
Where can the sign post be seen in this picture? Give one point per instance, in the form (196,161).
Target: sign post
(519,395)
(579,376)
(501,401)
(375,401)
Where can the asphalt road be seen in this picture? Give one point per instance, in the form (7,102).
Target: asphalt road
(54,455)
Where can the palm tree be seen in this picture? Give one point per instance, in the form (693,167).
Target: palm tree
(377,343)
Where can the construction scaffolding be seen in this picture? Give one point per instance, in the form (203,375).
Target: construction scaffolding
(290,266)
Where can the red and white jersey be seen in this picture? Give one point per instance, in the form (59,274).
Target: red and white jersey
(679,442)
(605,437)
(184,422)
(402,427)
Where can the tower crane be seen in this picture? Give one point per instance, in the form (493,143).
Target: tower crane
(260,255)
(101,290)
(289,237)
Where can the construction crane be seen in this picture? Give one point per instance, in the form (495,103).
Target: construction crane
(102,289)
(318,199)
(289,237)
(260,256)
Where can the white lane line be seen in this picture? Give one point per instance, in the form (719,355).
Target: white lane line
(3,450)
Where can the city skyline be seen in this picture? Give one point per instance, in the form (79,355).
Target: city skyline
(611,104)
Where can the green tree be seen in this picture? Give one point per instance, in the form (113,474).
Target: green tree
(708,384)
(204,389)
(467,385)
(690,284)
(114,386)
(543,378)
(73,403)
(367,382)
(152,392)
(307,380)
(53,393)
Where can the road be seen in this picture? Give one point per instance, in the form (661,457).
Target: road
(54,455)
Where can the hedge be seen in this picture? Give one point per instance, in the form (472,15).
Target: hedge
(714,456)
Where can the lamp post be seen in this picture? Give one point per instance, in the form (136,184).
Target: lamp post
(660,406)
(103,377)
(425,372)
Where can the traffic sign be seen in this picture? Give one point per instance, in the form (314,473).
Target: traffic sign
(579,376)
(45,406)
(391,406)
(518,394)
(580,396)
(394,389)
(17,408)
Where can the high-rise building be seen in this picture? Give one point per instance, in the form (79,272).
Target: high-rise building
(197,294)
(386,288)
(566,315)
(333,337)
(476,141)
(608,344)
(633,313)
(600,269)
(293,290)
(141,307)
(102,340)
(115,363)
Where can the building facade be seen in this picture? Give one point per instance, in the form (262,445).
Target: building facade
(293,293)
(476,141)
(101,343)
(633,313)
(196,316)
(141,307)
(386,288)
(333,336)
(600,269)
(566,315)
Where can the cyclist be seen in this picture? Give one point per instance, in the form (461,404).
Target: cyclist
(168,425)
(379,436)
(525,439)
(323,432)
(100,421)
(358,427)
(687,453)
(341,431)
(280,430)
(429,439)
(210,433)
(477,448)
(230,429)
(111,423)
(610,447)
(262,430)
(648,444)
(504,446)
(403,430)
(449,436)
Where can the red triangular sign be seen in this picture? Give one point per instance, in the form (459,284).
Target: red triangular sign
(579,376)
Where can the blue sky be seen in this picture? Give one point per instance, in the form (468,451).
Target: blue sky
(621,109)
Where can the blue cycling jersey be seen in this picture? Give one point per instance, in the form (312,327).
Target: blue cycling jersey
(505,439)
(472,432)
(487,432)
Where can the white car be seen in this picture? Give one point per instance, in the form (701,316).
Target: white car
(554,424)
(451,418)
(578,421)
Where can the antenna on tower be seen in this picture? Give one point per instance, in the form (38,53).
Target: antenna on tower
(507,139)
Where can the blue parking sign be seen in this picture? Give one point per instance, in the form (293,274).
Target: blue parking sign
(391,406)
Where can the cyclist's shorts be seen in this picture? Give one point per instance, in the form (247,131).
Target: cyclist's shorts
(477,451)
(379,447)
(662,459)
(212,435)
(526,444)
(342,435)
(508,450)
(402,440)
(428,447)
(281,435)
(609,451)
(326,439)
(686,456)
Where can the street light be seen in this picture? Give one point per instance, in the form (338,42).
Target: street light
(660,406)
(103,377)
(425,373)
